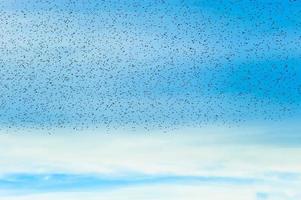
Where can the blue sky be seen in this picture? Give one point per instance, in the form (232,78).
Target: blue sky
(155,65)
(197,97)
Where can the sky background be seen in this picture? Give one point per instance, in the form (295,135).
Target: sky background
(150,99)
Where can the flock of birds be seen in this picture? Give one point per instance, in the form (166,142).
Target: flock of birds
(148,64)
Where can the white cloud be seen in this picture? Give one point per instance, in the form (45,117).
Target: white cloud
(212,151)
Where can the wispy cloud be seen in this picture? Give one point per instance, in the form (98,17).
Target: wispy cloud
(40,183)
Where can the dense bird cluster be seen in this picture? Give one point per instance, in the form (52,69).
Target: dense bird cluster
(150,64)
